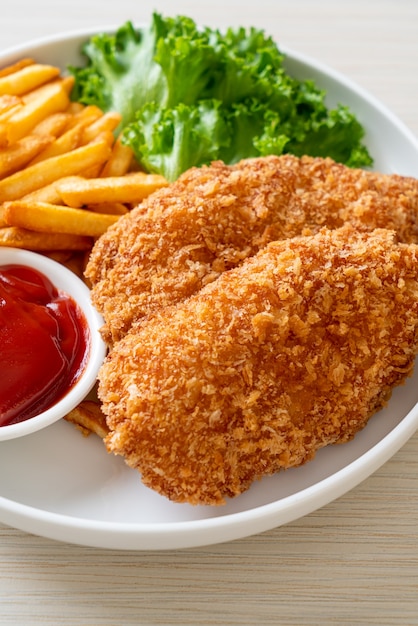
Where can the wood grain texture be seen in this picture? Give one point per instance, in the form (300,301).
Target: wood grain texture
(353,562)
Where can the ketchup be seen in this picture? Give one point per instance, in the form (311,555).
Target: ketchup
(44,343)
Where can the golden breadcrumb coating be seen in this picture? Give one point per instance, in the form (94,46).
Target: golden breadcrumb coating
(291,351)
(184,236)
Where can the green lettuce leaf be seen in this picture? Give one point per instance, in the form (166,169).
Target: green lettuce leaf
(190,95)
(172,140)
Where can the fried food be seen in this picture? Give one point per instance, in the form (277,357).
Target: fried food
(292,351)
(50,218)
(46,172)
(88,418)
(133,187)
(50,145)
(15,237)
(211,219)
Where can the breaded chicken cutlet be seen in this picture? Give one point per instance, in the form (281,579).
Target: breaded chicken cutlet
(292,351)
(184,236)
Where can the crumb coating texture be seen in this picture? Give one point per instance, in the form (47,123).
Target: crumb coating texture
(184,236)
(291,351)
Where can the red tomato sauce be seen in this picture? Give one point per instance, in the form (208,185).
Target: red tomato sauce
(44,343)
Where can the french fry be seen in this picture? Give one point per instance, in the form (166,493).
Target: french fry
(92,172)
(31,240)
(60,256)
(4,117)
(74,260)
(15,67)
(41,174)
(77,264)
(51,218)
(107,122)
(53,124)
(48,194)
(119,161)
(3,135)
(65,82)
(20,153)
(27,78)
(68,141)
(88,418)
(8,105)
(110,208)
(84,116)
(74,108)
(105,136)
(40,103)
(132,188)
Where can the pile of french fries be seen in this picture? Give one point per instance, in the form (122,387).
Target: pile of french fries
(65,175)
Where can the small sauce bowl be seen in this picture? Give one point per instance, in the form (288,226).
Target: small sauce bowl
(68,283)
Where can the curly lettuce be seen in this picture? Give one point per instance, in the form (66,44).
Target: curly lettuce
(190,95)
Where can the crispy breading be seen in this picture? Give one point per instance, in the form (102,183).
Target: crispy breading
(212,218)
(292,351)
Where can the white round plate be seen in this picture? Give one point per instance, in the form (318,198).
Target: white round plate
(57,484)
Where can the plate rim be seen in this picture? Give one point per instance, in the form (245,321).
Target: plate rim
(187,534)
(235,525)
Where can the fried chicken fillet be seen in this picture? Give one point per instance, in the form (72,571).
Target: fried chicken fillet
(291,351)
(184,236)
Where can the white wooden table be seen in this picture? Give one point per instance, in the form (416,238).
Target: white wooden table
(354,561)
